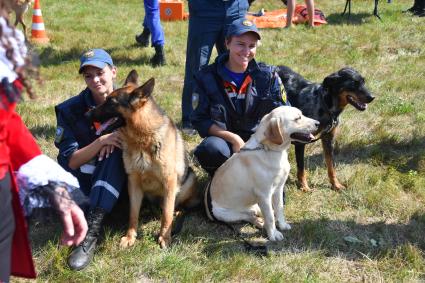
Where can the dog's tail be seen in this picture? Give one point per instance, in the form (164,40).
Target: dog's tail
(188,196)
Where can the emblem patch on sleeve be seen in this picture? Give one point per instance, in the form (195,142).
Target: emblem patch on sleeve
(195,100)
(59,134)
(282,90)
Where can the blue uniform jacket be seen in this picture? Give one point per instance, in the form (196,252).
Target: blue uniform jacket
(74,130)
(212,104)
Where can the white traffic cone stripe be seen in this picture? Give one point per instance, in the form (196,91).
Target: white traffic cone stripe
(37,26)
(36,12)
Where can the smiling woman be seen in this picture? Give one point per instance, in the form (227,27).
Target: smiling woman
(90,157)
(232,95)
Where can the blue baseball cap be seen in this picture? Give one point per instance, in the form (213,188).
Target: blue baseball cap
(241,26)
(98,58)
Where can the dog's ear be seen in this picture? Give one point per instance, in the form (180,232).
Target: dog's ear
(147,87)
(273,132)
(142,92)
(330,81)
(132,78)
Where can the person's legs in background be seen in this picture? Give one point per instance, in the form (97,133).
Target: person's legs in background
(152,26)
(208,21)
(310,11)
(290,5)
(108,179)
(290,9)
(143,38)
(199,48)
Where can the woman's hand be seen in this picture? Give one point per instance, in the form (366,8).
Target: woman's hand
(74,226)
(111,139)
(109,142)
(73,221)
(237,143)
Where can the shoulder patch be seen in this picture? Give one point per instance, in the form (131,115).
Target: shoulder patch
(59,134)
(282,90)
(195,100)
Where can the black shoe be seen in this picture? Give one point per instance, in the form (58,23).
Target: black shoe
(158,59)
(187,129)
(143,38)
(81,256)
(419,13)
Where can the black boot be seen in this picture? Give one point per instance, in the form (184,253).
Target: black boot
(420,10)
(158,59)
(143,38)
(415,8)
(81,256)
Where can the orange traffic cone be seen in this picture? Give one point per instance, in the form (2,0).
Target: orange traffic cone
(38,33)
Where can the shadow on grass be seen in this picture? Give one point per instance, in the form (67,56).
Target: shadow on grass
(403,156)
(52,57)
(44,131)
(333,238)
(353,19)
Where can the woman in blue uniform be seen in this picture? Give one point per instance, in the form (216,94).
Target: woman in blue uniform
(232,95)
(96,160)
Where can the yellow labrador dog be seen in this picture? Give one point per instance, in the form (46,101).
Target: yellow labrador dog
(250,183)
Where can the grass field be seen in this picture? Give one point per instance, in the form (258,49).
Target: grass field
(374,231)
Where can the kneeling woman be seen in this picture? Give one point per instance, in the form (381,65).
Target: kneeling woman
(232,95)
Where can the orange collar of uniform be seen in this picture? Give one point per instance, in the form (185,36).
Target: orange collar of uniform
(231,88)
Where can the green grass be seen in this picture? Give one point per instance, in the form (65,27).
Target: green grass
(373,231)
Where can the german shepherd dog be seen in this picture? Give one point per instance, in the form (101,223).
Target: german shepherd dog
(153,152)
(324,102)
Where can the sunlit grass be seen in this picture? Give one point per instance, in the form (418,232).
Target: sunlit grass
(373,231)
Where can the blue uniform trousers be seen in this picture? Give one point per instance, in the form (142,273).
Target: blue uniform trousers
(212,152)
(208,23)
(105,184)
(152,22)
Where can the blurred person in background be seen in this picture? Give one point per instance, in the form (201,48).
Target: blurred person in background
(42,182)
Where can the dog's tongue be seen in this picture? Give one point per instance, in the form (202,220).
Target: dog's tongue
(302,137)
(105,125)
(359,105)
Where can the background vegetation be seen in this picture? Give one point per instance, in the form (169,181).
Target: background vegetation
(373,231)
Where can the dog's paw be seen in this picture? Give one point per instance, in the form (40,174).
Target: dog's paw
(258,222)
(305,189)
(164,242)
(337,186)
(275,236)
(127,241)
(284,226)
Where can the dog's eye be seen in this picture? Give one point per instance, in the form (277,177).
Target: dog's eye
(297,118)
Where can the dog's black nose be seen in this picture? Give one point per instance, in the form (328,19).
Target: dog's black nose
(317,124)
(370,98)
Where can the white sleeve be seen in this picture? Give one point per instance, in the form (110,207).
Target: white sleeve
(38,179)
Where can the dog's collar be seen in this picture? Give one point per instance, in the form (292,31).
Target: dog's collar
(332,114)
(260,146)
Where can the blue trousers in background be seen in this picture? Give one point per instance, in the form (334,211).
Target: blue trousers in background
(208,23)
(152,22)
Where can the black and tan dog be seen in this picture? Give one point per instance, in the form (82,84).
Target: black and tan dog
(324,102)
(153,152)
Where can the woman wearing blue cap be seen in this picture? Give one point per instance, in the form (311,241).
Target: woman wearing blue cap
(96,160)
(232,95)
